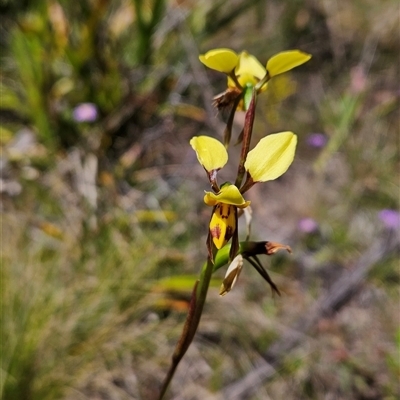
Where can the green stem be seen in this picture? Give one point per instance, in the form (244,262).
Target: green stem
(197,302)
(198,299)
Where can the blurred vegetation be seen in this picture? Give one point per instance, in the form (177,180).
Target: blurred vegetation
(103,226)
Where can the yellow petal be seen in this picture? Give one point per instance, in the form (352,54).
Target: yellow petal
(210,152)
(229,194)
(285,61)
(249,66)
(222,60)
(271,157)
(232,275)
(223,224)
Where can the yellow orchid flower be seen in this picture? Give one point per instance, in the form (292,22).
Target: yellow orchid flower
(247,68)
(248,71)
(223,221)
(267,161)
(212,155)
(245,71)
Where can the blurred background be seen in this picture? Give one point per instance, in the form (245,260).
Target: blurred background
(103,224)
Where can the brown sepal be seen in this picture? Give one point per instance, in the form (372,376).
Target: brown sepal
(226,99)
(273,247)
(209,241)
(235,239)
(255,262)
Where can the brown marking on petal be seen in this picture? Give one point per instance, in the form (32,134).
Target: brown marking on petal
(216,231)
(224,211)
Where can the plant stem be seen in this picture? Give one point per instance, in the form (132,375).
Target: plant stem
(197,302)
(247,131)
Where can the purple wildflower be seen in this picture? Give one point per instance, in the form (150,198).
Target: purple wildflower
(317,140)
(85,112)
(307,225)
(390,218)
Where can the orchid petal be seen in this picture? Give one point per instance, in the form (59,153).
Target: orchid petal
(222,60)
(223,224)
(210,152)
(249,66)
(271,157)
(229,194)
(232,275)
(285,61)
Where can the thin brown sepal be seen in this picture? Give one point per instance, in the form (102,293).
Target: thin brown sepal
(209,244)
(255,262)
(234,78)
(240,138)
(235,239)
(227,99)
(229,124)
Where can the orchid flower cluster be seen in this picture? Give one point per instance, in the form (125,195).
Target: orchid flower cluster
(268,160)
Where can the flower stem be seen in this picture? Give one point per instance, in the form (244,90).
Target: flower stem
(197,302)
(247,184)
(247,131)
